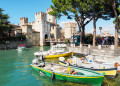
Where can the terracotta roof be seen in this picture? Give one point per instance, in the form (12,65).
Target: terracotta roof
(34,30)
(27,24)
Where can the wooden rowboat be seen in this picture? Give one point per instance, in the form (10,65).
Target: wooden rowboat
(80,75)
(109,72)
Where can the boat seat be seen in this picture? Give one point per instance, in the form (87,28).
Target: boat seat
(79,73)
(61,69)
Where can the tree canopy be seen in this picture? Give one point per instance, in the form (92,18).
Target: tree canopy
(77,9)
(4,23)
(115,6)
(83,11)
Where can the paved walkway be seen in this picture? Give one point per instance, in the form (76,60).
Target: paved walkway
(104,51)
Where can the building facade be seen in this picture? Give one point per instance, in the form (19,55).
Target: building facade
(44,27)
(106,34)
(70,29)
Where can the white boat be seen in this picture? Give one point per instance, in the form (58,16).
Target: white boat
(109,61)
(60,45)
(54,52)
(21,47)
(109,70)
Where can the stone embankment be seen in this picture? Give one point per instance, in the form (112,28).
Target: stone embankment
(13,45)
(106,51)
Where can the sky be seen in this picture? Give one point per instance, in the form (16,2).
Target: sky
(27,8)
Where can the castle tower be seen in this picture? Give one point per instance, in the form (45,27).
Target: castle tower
(70,29)
(40,17)
(23,21)
(51,18)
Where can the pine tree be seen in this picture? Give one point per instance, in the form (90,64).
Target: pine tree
(4,23)
(77,9)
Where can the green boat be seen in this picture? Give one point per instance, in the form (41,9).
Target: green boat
(72,74)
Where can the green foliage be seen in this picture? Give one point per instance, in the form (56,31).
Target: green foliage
(100,28)
(4,23)
(114,21)
(67,41)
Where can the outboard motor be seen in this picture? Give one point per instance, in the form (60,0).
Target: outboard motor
(42,62)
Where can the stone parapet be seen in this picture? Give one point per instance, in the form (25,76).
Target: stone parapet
(92,51)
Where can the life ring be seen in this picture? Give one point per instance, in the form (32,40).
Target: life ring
(116,64)
(82,58)
(69,60)
(74,72)
(66,61)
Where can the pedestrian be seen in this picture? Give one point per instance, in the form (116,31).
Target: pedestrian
(102,41)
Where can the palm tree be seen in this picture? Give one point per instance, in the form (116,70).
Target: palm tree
(100,28)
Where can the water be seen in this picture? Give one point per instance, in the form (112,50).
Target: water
(15,70)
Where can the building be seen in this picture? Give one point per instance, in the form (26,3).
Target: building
(43,28)
(106,34)
(70,29)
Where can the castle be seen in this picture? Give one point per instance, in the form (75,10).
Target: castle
(70,28)
(44,28)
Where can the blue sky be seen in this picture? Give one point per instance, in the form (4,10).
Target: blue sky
(27,8)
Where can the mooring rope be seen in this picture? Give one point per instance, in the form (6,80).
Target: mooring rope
(108,82)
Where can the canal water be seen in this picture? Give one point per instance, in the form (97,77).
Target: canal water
(15,70)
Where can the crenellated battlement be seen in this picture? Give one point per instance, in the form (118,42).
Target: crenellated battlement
(23,20)
(50,18)
(70,24)
(48,10)
(41,16)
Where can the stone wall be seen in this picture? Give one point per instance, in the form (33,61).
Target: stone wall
(14,44)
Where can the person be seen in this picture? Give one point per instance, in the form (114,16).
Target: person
(68,42)
(102,41)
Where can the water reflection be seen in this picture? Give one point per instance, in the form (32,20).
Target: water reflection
(46,81)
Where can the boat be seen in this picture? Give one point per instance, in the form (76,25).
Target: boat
(59,55)
(111,61)
(60,45)
(110,72)
(54,53)
(21,47)
(71,74)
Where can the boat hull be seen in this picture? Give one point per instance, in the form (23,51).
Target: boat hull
(97,80)
(59,55)
(21,48)
(109,72)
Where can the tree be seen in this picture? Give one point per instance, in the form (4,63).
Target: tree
(77,9)
(99,10)
(114,21)
(100,28)
(5,27)
(115,6)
